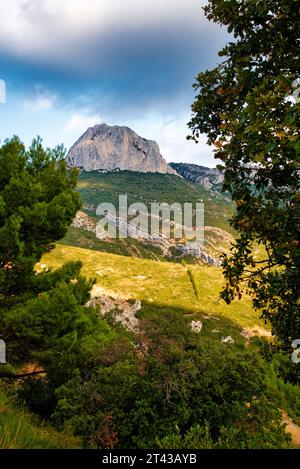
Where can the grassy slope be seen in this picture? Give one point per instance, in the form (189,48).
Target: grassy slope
(157,283)
(79,237)
(21,430)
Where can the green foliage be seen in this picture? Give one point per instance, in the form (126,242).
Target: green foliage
(50,319)
(21,430)
(37,203)
(42,315)
(284,393)
(239,437)
(249,108)
(176,380)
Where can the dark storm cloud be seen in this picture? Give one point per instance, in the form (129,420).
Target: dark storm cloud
(136,68)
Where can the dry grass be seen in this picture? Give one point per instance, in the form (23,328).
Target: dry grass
(20,430)
(160,283)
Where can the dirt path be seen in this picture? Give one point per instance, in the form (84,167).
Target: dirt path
(291,428)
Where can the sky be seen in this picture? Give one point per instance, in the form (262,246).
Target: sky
(71,64)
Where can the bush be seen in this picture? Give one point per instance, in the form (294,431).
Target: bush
(211,393)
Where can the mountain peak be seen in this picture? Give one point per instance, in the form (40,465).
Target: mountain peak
(105,147)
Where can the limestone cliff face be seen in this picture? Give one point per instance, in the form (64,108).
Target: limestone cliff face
(105,147)
(209,178)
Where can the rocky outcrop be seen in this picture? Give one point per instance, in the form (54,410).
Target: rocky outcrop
(167,246)
(110,148)
(194,250)
(123,310)
(209,178)
(82,220)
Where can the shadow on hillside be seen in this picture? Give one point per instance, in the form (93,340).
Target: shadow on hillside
(176,323)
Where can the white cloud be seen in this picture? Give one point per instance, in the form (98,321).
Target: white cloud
(36,28)
(39,100)
(78,123)
(170,133)
(76,33)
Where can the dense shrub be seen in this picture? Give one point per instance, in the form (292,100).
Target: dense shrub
(180,393)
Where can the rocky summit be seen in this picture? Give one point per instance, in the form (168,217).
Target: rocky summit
(109,148)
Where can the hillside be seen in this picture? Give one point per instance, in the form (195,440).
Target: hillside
(160,284)
(96,187)
(143,293)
